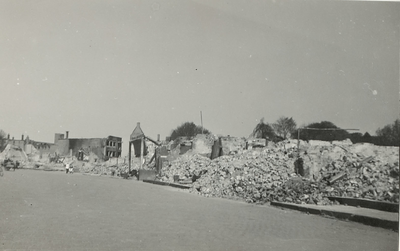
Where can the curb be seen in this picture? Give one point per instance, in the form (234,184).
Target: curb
(378,205)
(166,184)
(367,220)
(34,169)
(91,174)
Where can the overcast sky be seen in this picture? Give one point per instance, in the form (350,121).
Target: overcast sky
(96,68)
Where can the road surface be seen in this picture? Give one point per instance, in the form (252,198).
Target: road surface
(42,210)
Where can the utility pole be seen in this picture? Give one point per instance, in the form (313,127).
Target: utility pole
(130,153)
(141,152)
(201,118)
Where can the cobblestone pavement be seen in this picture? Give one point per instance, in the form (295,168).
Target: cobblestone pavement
(42,210)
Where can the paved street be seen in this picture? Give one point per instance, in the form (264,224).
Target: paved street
(42,210)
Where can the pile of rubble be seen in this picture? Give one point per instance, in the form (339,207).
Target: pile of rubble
(113,167)
(367,178)
(103,169)
(357,171)
(248,174)
(253,175)
(187,166)
(268,174)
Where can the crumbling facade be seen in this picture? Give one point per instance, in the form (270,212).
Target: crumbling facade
(88,149)
(30,147)
(113,146)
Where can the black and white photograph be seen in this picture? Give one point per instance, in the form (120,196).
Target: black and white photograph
(213,125)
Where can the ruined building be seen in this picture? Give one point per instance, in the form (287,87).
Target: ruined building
(89,149)
(20,149)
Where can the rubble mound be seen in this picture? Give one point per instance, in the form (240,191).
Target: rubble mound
(103,169)
(250,174)
(366,179)
(185,166)
(268,174)
(253,175)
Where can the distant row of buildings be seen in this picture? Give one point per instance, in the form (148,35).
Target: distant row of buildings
(98,148)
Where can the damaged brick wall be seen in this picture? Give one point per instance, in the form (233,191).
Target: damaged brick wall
(94,145)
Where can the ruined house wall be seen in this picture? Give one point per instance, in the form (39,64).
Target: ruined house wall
(94,148)
(43,148)
(13,152)
(57,137)
(113,146)
(202,144)
(231,145)
(94,145)
(62,147)
(40,152)
(33,149)
(17,142)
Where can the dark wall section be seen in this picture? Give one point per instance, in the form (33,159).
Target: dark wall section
(95,145)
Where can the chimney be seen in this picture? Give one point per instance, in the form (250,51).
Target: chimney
(66,135)
(8,136)
(158,137)
(22,137)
